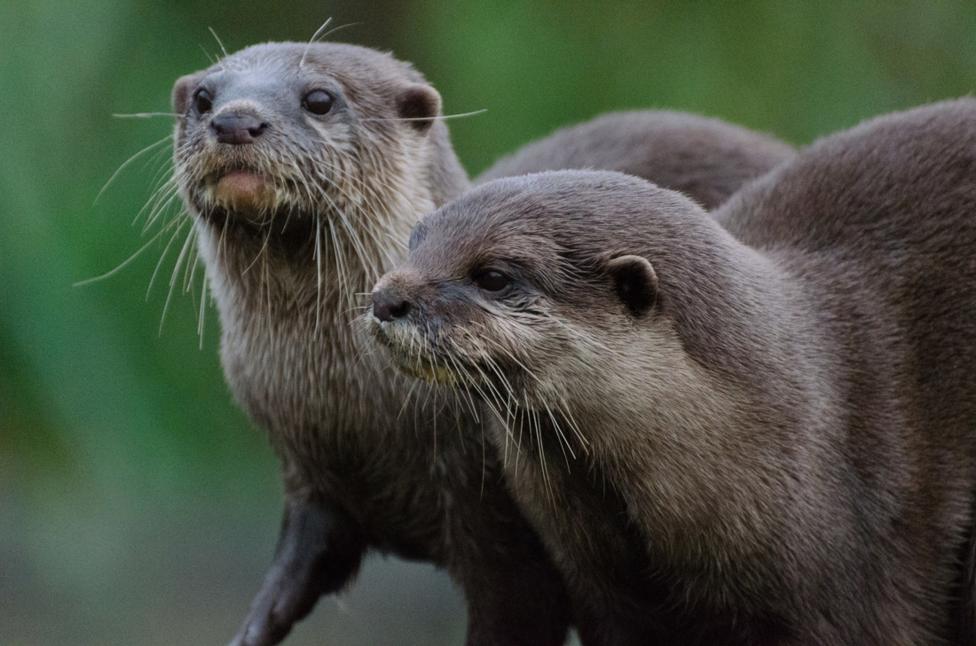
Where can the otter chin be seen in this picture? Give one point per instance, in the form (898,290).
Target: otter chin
(429,371)
(247,191)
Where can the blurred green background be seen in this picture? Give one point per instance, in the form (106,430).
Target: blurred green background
(137,504)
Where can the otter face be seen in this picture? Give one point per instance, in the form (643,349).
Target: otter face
(508,293)
(287,132)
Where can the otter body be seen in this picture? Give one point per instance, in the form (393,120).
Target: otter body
(755,430)
(704,158)
(304,168)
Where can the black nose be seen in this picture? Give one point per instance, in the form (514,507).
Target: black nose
(237,127)
(389,304)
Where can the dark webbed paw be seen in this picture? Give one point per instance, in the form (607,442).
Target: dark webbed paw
(318,552)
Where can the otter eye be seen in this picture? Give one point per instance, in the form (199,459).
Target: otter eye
(491,280)
(202,101)
(318,102)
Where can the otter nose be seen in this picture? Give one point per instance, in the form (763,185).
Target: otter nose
(389,304)
(237,127)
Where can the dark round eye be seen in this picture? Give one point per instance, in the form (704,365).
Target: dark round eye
(202,101)
(318,102)
(491,280)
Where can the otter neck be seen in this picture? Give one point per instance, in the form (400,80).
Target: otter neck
(290,349)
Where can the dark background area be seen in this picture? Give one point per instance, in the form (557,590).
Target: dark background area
(137,504)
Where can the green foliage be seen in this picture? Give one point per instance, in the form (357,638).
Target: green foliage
(123,461)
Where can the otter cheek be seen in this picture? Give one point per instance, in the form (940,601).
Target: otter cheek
(244,191)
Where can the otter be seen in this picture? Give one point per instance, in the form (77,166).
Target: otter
(303,168)
(757,428)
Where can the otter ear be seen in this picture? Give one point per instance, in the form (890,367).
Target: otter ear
(635,282)
(183,90)
(420,104)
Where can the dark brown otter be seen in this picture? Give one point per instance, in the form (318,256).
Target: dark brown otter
(756,430)
(304,168)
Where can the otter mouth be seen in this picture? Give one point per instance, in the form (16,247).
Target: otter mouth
(422,357)
(253,200)
(244,190)
(282,198)
(241,189)
(432,373)
(418,364)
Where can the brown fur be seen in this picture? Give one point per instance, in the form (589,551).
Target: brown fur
(757,434)
(707,159)
(369,460)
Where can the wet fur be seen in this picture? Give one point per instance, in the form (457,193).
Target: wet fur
(781,449)
(370,460)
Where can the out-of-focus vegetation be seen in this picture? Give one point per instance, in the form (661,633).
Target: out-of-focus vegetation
(137,504)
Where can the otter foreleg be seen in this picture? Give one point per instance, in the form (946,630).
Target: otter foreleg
(514,594)
(318,552)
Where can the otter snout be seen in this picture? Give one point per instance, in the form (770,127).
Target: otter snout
(396,295)
(236,127)
(390,303)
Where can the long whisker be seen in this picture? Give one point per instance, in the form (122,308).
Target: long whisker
(318,272)
(176,270)
(219,42)
(564,444)
(201,318)
(335,29)
(162,256)
(163,185)
(122,265)
(210,57)
(509,391)
(365,259)
(339,260)
(441,117)
(311,40)
(189,273)
(160,204)
(266,273)
(127,162)
(542,458)
(145,115)
(407,399)
(260,253)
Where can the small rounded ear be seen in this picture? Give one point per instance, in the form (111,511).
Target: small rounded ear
(635,282)
(420,104)
(183,90)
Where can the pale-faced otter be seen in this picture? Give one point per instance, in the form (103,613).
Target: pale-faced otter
(304,167)
(756,430)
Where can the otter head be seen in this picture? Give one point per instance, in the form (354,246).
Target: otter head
(278,135)
(534,291)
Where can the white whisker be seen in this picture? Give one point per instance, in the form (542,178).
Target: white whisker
(442,117)
(122,265)
(162,256)
(127,162)
(219,42)
(145,115)
(173,278)
(311,40)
